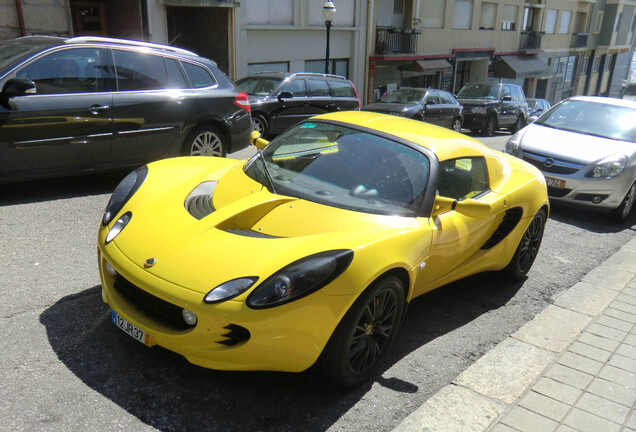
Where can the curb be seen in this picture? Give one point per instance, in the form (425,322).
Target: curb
(482,394)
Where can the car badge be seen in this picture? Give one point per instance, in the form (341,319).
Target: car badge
(150,262)
(548,162)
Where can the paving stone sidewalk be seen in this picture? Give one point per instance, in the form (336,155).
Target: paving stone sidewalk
(572,368)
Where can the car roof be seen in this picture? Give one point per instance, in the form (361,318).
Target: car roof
(605,100)
(445,143)
(296,74)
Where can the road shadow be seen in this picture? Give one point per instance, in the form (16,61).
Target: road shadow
(163,390)
(59,188)
(589,220)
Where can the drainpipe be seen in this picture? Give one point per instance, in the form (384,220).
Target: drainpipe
(18,5)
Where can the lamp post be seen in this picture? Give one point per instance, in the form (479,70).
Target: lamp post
(328,12)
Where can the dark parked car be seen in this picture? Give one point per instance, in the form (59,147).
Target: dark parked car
(280,100)
(492,106)
(84,104)
(536,107)
(430,105)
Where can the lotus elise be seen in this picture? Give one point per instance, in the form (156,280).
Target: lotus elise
(308,253)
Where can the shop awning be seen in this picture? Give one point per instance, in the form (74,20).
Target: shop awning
(518,66)
(434,65)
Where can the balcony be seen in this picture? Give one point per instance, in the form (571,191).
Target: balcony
(579,40)
(389,40)
(530,40)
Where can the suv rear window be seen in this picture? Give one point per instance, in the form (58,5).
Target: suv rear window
(199,76)
(342,89)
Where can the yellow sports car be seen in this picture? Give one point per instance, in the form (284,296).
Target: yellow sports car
(309,252)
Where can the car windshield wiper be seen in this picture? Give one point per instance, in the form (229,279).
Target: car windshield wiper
(270,180)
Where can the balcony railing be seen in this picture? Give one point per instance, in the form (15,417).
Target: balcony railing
(579,40)
(389,40)
(530,40)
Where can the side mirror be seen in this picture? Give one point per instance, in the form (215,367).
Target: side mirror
(466,206)
(257,141)
(18,87)
(285,95)
(507,98)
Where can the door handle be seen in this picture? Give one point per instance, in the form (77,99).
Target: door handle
(96,109)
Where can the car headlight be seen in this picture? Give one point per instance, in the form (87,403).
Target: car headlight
(300,278)
(609,167)
(229,289)
(479,110)
(512,146)
(122,193)
(118,227)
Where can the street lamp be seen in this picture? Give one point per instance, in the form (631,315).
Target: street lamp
(328,11)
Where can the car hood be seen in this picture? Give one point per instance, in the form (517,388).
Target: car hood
(389,107)
(571,146)
(251,232)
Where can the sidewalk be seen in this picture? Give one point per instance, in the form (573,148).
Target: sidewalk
(572,368)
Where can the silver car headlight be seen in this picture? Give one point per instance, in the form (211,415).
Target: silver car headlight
(512,146)
(609,167)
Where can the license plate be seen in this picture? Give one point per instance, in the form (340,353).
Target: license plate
(130,329)
(555,183)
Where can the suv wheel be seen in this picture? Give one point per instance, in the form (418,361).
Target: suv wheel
(457,125)
(490,127)
(519,124)
(205,140)
(260,124)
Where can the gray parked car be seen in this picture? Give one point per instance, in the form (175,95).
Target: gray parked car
(430,105)
(586,148)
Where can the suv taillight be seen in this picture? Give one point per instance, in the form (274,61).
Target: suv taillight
(243,101)
(356,91)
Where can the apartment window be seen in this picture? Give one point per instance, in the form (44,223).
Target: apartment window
(462,14)
(529,15)
(596,64)
(488,16)
(253,68)
(564,27)
(598,21)
(433,14)
(509,22)
(550,21)
(269,12)
(617,23)
(608,62)
(584,62)
(633,23)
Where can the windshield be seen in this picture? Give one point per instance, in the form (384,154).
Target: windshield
(405,96)
(13,51)
(479,91)
(593,118)
(261,86)
(344,168)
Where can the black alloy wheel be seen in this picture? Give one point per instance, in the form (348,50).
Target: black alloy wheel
(260,125)
(363,337)
(528,248)
(490,127)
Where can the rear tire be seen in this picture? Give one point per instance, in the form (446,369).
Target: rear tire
(205,140)
(528,248)
(621,213)
(361,340)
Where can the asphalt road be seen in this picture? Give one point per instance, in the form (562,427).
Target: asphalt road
(65,367)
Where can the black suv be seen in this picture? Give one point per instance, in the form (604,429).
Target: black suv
(84,104)
(492,106)
(280,100)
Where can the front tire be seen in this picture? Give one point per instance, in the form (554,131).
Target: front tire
(528,248)
(260,125)
(490,127)
(519,124)
(621,213)
(364,335)
(457,125)
(205,140)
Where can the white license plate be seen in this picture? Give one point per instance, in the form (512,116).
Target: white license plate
(130,329)
(555,183)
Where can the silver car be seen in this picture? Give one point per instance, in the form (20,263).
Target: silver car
(586,148)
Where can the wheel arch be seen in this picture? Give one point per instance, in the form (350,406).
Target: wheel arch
(220,125)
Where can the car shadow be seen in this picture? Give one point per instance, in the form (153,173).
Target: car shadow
(589,220)
(59,188)
(163,390)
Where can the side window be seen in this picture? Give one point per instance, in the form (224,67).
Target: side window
(518,94)
(139,71)
(77,70)
(296,87)
(342,89)
(445,98)
(318,87)
(199,76)
(432,96)
(175,77)
(463,178)
(506,91)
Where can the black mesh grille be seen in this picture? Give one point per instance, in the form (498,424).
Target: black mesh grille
(234,336)
(551,165)
(160,310)
(509,222)
(558,193)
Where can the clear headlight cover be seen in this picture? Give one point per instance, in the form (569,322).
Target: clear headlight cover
(122,193)
(118,227)
(300,278)
(229,289)
(512,145)
(610,167)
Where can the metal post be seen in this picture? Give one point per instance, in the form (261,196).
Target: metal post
(328,25)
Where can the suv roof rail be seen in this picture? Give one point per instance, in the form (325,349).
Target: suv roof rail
(89,39)
(316,74)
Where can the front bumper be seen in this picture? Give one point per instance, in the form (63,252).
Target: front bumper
(228,335)
(474,121)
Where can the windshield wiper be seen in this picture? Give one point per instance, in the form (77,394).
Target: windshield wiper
(270,180)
